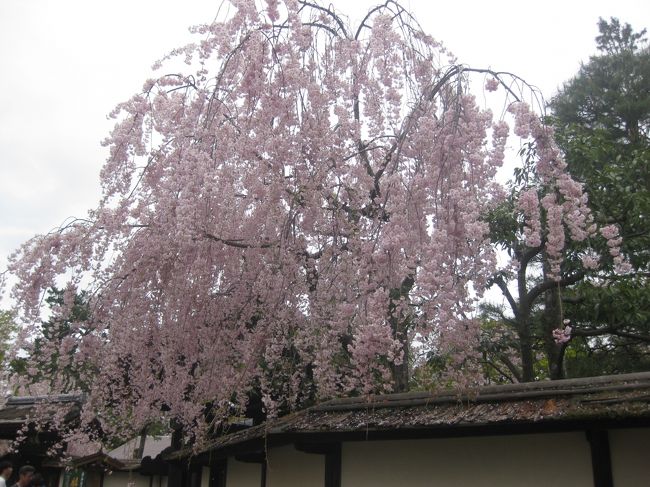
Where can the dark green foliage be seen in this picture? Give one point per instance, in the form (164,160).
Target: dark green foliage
(7,328)
(51,366)
(613,328)
(602,120)
(610,95)
(602,124)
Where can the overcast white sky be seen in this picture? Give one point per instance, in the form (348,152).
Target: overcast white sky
(64,64)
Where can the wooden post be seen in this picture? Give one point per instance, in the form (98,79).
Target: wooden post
(175,476)
(333,466)
(263,477)
(218,472)
(601,461)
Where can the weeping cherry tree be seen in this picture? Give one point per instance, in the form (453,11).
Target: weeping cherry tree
(288,217)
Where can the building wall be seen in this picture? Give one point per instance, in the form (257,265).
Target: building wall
(556,459)
(630,452)
(241,474)
(126,479)
(205,477)
(544,460)
(288,467)
(93,478)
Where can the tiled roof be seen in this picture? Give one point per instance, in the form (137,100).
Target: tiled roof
(548,403)
(17,409)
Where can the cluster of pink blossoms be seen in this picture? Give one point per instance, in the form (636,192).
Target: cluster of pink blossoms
(529,205)
(492,84)
(566,213)
(611,234)
(555,232)
(562,335)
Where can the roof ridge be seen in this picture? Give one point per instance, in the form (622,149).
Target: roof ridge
(28,400)
(492,392)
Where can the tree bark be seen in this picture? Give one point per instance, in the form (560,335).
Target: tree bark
(399,323)
(522,316)
(526,348)
(552,319)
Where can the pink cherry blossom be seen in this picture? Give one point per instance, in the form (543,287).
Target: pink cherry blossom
(492,84)
(529,205)
(562,335)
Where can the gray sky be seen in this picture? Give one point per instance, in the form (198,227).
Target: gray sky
(66,63)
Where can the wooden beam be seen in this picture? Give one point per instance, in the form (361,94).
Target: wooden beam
(601,461)
(316,448)
(252,457)
(175,475)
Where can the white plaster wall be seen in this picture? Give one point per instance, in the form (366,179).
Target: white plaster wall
(205,477)
(121,479)
(158,481)
(544,460)
(126,479)
(241,474)
(288,467)
(630,452)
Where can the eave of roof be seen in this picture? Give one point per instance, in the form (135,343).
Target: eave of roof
(99,459)
(18,412)
(552,404)
(18,409)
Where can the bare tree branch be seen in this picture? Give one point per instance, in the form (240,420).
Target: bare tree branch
(499,281)
(611,330)
(544,286)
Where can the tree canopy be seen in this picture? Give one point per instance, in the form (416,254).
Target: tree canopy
(288,218)
(602,120)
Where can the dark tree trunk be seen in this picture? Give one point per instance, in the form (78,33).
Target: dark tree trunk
(400,322)
(552,319)
(138,453)
(401,373)
(522,315)
(526,349)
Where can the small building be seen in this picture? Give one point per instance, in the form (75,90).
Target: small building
(121,467)
(577,432)
(15,417)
